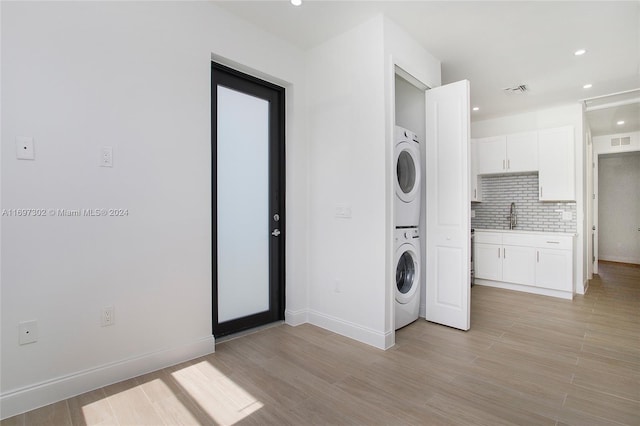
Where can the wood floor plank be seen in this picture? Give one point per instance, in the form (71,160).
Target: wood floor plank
(91,408)
(54,414)
(527,360)
(604,406)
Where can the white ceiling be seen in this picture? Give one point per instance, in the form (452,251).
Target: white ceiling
(492,44)
(604,113)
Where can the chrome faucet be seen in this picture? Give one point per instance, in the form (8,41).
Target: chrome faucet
(513,217)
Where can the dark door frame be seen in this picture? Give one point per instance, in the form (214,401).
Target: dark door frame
(241,82)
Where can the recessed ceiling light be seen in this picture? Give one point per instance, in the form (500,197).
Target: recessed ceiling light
(587,86)
(296,2)
(476,108)
(580,52)
(620,123)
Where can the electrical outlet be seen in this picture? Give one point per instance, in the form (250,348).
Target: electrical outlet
(108,316)
(27,332)
(25,148)
(106,157)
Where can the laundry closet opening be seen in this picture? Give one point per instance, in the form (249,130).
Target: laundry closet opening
(409,242)
(431,223)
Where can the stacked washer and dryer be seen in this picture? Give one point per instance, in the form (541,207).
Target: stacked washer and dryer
(407,238)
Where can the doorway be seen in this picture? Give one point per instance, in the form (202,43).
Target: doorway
(248,204)
(619,207)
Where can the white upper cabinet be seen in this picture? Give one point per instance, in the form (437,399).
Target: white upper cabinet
(474,188)
(556,161)
(491,155)
(522,152)
(515,153)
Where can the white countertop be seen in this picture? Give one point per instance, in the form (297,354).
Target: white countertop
(519,231)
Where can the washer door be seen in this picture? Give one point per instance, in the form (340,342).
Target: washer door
(407,171)
(407,273)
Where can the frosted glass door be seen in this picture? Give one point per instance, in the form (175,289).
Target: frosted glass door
(243,204)
(248,205)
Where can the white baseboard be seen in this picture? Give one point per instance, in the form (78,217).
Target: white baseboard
(423,310)
(40,394)
(295,318)
(618,259)
(525,288)
(354,331)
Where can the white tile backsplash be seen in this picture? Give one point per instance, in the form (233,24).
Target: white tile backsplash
(498,192)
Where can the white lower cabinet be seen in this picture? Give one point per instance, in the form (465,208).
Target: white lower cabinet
(518,265)
(534,262)
(554,269)
(487,261)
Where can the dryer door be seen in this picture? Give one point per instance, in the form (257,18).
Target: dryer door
(407,273)
(407,171)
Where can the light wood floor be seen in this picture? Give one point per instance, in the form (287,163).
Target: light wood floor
(527,360)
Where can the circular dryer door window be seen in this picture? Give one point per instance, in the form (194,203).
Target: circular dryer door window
(407,171)
(407,275)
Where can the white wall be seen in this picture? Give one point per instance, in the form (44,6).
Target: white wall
(543,119)
(410,107)
(134,76)
(619,207)
(350,90)
(345,101)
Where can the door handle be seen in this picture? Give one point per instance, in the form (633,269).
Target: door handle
(275,232)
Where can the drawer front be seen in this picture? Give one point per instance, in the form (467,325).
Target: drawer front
(555,242)
(487,237)
(523,240)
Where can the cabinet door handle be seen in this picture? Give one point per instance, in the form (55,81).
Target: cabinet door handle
(498,252)
(553,242)
(508,164)
(540,192)
(503,167)
(504,252)
(475,193)
(537,256)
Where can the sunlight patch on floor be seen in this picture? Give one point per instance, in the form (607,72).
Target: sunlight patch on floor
(217,395)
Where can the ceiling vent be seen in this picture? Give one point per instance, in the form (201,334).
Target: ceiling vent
(517,90)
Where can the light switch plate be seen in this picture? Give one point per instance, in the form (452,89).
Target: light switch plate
(25,148)
(343,211)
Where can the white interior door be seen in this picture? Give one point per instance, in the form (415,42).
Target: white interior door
(448,223)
